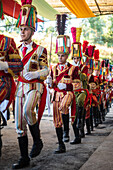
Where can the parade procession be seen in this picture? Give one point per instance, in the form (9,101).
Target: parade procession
(60,98)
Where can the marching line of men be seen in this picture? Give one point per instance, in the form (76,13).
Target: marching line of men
(78,85)
(74,85)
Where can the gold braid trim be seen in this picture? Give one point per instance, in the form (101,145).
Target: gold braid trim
(2,92)
(14,56)
(43,61)
(42,78)
(82,68)
(84,74)
(54,73)
(10,72)
(43,54)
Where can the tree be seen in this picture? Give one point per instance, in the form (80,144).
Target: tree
(108,36)
(99,30)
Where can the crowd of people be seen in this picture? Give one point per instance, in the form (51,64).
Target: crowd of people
(84,85)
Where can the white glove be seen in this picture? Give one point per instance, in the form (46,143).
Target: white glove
(3,65)
(61,86)
(49,80)
(31,75)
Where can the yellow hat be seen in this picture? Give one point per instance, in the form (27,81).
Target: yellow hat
(76,45)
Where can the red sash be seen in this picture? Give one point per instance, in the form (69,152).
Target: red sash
(1,37)
(62,74)
(43,97)
(87,113)
(13,89)
(27,57)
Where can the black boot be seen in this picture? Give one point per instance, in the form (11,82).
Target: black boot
(91,122)
(95,115)
(24,161)
(61,148)
(103,114)
(0,144)
(4,122)
(82,134)
(0,138)
(99,117)
(8,114)
(37,145)
(65,118)
(80,122)
(88,126)
(77,139)
(91,118)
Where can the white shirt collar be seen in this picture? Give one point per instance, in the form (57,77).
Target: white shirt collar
(28,45)
(62,65)
(75,64)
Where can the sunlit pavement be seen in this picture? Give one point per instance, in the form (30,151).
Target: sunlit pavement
(102,158)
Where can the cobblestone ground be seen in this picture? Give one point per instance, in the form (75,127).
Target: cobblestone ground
(73,159)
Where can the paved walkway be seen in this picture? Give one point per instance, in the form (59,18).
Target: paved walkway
(94,153)
(102,158)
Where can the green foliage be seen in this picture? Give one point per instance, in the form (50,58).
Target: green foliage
(9,24)
(108,38)
(99,30)
(50,30)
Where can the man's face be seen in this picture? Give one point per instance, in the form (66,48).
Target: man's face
(97,72)
(78,59)
(75,60)
(62,58)
(26,33)
(92,86)
(90,71)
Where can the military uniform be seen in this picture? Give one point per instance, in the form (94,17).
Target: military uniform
(88,60)
(80,94)
(62,76)
(9,54)
(96,108)
(10,66)
(30,88)
(30,92)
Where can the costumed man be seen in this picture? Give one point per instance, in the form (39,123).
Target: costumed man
(96,109)
(30,87)
(93,82)
(103,101)
(107,88)
(10,66)
(111,91)
(61,79)
(110,84)
(81,94)
(88,60)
